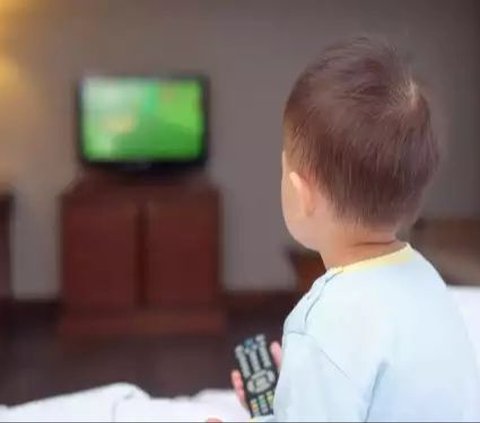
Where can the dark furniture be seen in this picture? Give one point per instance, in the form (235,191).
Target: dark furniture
(452,245)
(307,265)
(5,284)
(141,257)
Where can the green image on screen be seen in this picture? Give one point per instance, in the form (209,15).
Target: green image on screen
(134,119)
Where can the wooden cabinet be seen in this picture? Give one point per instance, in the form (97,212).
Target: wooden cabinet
(141,259)
(184,252)
(100,248)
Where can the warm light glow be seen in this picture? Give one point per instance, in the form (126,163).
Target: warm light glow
(9,10)
(9,71)
(12,6)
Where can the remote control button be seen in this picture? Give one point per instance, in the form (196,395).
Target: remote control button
(263,405)
(254,407)
(261,339)
(249,343)
(270,376)
(254,361)
(265,358)
(244,367)
(262,384)
(251,387)
(259,382)
(270,398)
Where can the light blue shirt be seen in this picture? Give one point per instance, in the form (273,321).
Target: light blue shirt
(379,340)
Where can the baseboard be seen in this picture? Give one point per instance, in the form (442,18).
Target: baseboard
(33,308)
(31,313)
(260,302)
(4,311)
(152,322)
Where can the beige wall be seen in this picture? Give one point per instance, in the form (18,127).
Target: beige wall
(252,51)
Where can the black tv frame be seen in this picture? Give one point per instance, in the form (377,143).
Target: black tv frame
(142,166)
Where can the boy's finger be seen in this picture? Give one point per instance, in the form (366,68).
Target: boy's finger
(276,351)
(236,379)
(237,384)
(241,396)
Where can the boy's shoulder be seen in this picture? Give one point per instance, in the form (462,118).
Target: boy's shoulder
(366,293)
(363,308)
(349,322)
(338,299)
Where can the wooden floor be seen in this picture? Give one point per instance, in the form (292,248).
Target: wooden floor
(36,364)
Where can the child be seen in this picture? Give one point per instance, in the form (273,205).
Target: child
(377,338)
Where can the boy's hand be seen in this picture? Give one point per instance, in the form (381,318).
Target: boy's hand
(236,377)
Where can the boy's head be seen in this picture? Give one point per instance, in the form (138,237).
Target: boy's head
(358,145)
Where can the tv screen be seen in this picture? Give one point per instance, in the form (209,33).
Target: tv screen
(143,120)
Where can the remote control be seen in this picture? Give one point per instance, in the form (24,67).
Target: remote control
(259,374)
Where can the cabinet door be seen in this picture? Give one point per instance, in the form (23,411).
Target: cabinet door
(181,250)
(100,254)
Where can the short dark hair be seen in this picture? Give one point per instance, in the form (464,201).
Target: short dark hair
(359,124)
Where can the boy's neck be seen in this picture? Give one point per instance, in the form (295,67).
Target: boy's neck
(349,246)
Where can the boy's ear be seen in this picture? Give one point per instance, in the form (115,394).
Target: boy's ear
(305,193)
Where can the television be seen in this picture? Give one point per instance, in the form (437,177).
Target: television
(143,122)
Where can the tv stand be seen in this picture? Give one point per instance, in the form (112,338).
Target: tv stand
(141,256)
(91,177)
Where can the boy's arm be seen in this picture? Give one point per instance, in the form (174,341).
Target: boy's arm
(312,387)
